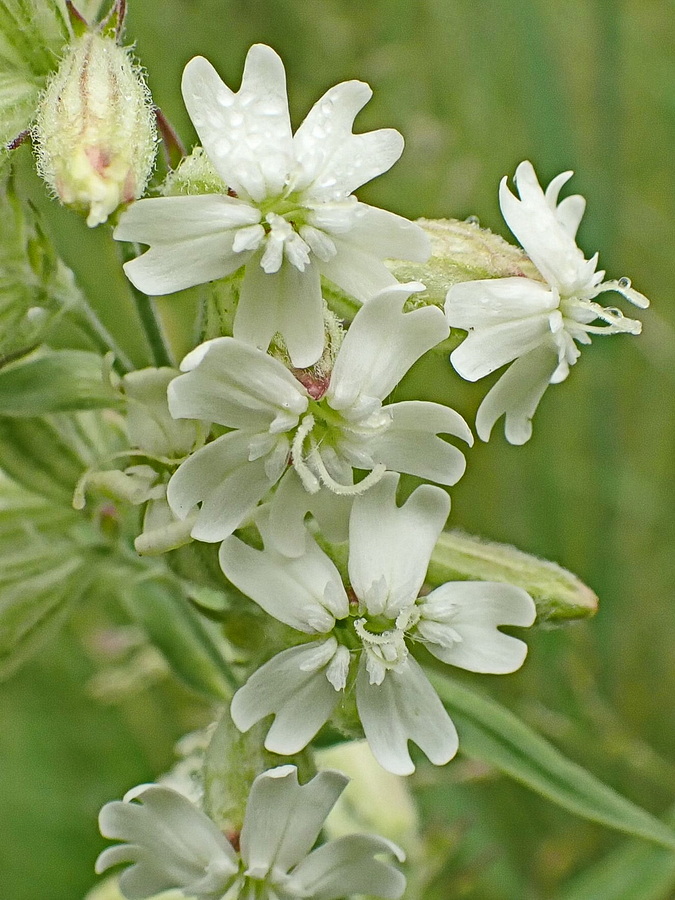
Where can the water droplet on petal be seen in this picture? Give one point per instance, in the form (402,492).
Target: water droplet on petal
(624,282)
(472,220)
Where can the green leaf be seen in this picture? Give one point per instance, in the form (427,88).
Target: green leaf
(32,36)
(191,647)
(48,455)
(33,609)
(633,871)
(43,573)
(558,594)
(490,733)
(55,381)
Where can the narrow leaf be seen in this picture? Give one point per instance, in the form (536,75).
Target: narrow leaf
(33,609)
(633,871)
(490,733)
(55,381)
(190,647)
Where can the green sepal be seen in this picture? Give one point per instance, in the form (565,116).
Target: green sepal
(55,381)
(493,735)
(558,594)
(460,251)
(78,23)
(233,761)
(192,648)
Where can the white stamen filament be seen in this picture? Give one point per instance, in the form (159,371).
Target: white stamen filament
(309,480)
(353,490)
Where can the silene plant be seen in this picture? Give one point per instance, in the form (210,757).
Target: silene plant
(263,499)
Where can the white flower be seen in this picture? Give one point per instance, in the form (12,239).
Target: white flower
(309,444)
(170,843)
(535,323)
(390,549)
(289,216)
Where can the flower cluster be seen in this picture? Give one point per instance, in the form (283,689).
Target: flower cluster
(171,843)
(290,423)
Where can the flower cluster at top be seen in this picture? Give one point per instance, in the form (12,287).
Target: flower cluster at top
(290,424)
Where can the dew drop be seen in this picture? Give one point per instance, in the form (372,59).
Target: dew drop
(472,220)
(624,282)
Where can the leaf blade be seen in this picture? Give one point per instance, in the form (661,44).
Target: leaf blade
(492,734)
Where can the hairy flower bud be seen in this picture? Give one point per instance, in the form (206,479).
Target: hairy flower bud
(95,130)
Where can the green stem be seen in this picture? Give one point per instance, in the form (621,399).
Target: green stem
(146,312)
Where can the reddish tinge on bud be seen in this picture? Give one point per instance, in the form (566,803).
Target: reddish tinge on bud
(95,134)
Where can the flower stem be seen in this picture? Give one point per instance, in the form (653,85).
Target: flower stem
(146,312)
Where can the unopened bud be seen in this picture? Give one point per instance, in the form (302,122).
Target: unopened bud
(95,130)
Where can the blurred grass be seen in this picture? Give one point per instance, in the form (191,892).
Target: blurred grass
(474,88)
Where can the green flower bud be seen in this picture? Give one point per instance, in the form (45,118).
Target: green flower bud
(95,131)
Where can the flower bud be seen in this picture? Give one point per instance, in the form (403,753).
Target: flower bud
(95,130)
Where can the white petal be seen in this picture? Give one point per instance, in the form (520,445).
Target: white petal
(170,220)
(247,135)
(333,161)
(480,304)
(289,507)
(487,349)
(221,478)
(478,608)
(546,241)
(411,443)
(392,545)
(404,708)
(570,212)
(349,866)
(165,269)
(170,842)
(304,592)
(381,345)
(301,313)
(288,302)
(552,192)
(357,271)
(249,238)
(302,699)
(326,126)
(238,386)
(283,818)
(517,393)
(386,235)
(361,158)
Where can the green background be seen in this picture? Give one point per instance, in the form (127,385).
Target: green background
(474,88)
